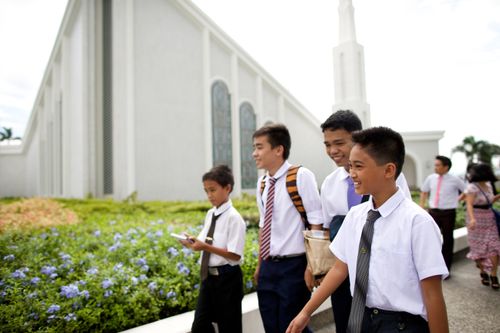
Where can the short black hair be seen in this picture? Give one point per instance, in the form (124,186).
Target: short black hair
(277,135)
(342,119)
(221,174)
(481,172)
(383,144)
(445,160)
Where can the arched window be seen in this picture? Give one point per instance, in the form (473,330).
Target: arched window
(247,128)
(222,152)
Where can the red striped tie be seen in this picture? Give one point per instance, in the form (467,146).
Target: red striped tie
(265,240)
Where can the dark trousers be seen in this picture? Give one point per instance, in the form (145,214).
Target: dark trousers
(282,292)
(220,302)
(381,321)
(341,306)
(445,219)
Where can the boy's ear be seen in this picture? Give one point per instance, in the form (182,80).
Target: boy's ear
(280,150)
(390,170)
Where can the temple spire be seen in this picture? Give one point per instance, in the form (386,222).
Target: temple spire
(347,29)
(349,67)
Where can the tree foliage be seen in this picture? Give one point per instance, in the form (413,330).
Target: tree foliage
(477,151)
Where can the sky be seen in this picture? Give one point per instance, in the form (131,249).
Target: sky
(430,64)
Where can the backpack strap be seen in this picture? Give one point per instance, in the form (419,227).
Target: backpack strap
(293,192)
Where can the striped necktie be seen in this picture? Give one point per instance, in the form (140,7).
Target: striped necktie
(265,239)
(362,269)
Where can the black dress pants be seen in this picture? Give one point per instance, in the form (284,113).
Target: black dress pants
(445,219)
(220,302)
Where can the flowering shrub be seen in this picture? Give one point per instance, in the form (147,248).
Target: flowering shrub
(34,213)
(116,269)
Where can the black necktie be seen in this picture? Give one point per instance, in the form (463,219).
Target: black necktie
(206,255)
(362,270)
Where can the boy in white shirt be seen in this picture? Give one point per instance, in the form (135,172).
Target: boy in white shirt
(393,259)
(222,241)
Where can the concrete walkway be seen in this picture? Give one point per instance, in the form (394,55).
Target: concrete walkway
(472,307)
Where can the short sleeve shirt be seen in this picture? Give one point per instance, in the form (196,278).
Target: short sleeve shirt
(406,248)
(450,189)
(229,233)
(286,224)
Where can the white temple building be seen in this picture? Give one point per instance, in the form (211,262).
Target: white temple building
(146,96)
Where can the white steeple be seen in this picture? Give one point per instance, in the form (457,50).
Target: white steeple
(349,67)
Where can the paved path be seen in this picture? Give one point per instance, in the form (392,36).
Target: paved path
(472,307)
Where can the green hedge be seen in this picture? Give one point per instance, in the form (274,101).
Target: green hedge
(117,269)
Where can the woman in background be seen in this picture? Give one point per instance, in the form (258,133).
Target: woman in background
(482,231)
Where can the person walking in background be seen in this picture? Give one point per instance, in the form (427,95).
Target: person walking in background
(389,246)
(338,195)
(281,269)
(441,192)
(222,241)
(482,231)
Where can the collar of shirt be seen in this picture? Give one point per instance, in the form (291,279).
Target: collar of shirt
(281,171)
(222,208)
(390,205)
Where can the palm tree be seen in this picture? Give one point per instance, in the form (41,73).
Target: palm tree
(477,151)
(6,134)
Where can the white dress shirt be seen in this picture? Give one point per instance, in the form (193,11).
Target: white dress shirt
(406,248)
(287,225)
(451,186)
(229,233)
(334,194)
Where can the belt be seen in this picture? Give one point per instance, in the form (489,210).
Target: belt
(482,206)
(220,270)
(442,210)
(393,315)
(285,257)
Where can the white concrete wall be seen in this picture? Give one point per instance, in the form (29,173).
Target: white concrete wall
(169,129)
(12,172)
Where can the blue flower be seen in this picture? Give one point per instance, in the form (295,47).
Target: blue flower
(70,291)
(35,280)
(145,268)
(183,269)
(53,275)
(141,262)
(118,267)
(43,236)
(114,247)
(159,233)
(85,294)
(70,316)
(64,256)
(33,315)
(196,286)
(97,233)
(249,284)
(9,257)
(18,274)
(92,271)
(187,251)
(3,294)
(171,294)
(134,280)
(82,283)
(173,251)
(152,286)
(107,283)
(51,317)
(33,295)
(117,237)
(53,308)
(48,270)
(142,277)
(108,293)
